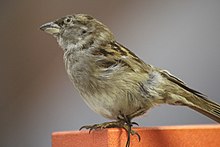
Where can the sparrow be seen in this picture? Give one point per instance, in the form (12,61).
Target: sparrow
(113,81)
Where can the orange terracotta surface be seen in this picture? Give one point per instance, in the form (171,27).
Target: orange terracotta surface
(172,136)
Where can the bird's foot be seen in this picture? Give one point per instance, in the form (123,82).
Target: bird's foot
(128,128)
(113,124)
(123,122)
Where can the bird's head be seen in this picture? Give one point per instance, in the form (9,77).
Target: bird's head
(78,31)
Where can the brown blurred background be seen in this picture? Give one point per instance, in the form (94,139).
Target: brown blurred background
(36,96)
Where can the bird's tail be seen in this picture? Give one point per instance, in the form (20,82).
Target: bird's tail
(206,107)
(194,99)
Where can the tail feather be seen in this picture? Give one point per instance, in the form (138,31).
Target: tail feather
(197,100)
(206,107)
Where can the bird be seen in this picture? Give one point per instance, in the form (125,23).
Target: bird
(113,81)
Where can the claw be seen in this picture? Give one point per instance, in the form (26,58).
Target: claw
(92,127)
(135,133)
(86,127)
(134,123)
(83,127)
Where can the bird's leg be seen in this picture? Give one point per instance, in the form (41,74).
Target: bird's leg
(127,126)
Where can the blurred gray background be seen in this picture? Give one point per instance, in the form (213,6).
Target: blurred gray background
(36,96)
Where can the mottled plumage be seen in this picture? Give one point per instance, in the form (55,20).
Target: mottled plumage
(112,80)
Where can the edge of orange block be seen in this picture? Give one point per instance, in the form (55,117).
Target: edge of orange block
(172,136)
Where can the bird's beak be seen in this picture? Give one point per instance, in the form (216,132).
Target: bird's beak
(50,28)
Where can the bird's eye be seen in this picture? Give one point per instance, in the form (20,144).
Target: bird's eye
(84,31)
(67,20)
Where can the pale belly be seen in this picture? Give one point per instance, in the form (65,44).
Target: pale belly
(113,106)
